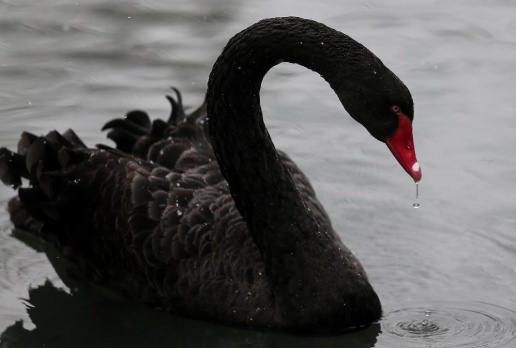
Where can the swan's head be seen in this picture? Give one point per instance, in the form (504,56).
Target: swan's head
(384,106)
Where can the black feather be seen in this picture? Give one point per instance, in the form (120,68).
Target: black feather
(11,166)
(177,113)
(123,139)
(140,118)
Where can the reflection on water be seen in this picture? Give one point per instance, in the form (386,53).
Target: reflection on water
(65,63)
(108,323)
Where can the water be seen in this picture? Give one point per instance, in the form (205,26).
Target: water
(453,324)
(77,64)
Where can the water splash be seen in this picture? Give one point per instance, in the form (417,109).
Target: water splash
(451,324)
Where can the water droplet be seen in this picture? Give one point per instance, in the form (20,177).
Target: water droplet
(427,313)
(416,203)
(425,322)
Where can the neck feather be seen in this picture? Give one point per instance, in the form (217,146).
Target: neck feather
(315,280)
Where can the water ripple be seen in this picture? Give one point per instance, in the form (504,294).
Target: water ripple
(450,324)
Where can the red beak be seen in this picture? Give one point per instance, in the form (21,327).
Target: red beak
(401,145)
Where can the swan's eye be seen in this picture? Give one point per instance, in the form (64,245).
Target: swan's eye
(395,109)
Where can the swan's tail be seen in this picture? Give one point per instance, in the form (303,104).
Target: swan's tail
(86,201)
(37,160)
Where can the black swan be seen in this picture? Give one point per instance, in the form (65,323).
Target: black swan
(201,215)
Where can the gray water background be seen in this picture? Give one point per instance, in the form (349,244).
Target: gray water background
(76,64)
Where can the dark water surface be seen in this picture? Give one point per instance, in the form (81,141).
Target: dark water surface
(446,272)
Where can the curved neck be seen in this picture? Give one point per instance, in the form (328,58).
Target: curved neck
(261,186)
